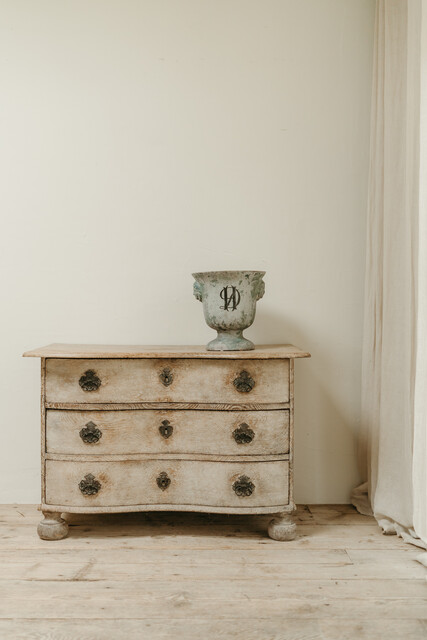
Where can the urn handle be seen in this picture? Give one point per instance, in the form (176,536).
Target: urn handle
(163,480)
(166,429)
(243,434)
(259,289)
(89,486)
(198,291)
(90,433)
(243,487)
(244,383)
(90,381)
(166,376)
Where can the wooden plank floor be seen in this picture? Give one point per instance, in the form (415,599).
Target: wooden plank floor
(199,576)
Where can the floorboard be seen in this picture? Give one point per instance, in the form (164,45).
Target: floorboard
(192,576)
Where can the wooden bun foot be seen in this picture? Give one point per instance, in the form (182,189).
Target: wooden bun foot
(282,528)
(52,527)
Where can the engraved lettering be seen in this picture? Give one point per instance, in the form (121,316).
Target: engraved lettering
(231,297)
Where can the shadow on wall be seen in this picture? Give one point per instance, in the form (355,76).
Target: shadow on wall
(325,428)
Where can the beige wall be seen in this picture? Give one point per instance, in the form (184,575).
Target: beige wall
(143,140)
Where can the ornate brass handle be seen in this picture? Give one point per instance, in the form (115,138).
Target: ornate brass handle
(89,486)
(89,381)
(166,376)
(243,434)
(243,487)
(163,480)
(166,429)
(90,433)
(244,383)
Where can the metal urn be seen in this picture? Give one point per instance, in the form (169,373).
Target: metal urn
(229,302)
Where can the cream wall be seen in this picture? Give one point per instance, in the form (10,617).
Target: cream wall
(143,140)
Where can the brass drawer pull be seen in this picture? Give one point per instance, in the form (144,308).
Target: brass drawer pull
(163,480)
(166,376)
(89,381)
(243,434)
(166,429)
(90,433)
(243,487)
(244,383)
(89,486)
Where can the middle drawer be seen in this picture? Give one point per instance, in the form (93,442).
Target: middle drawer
(167,431)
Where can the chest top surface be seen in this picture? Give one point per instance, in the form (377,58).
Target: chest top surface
(263,352)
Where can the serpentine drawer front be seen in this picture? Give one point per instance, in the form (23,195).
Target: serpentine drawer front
(209,484)
(166,380)
(168,431)
(130,428)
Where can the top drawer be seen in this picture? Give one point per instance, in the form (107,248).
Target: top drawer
(167,380)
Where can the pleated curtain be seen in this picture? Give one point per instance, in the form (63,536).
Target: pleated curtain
(393,446)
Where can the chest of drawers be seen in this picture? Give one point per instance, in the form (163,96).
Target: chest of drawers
(130,428)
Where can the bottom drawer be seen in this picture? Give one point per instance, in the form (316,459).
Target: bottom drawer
(165,482)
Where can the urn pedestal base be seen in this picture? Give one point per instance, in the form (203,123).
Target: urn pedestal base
(230,341)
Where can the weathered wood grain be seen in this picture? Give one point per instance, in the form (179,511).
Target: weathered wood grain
(249,628)
(193,629)
(186,563)
(210,600)
(262,352)
(25,514)
(43,426)
(176,508)
(339,514)
(228,591)
(353,628)
(192,483)
(88,567)
(139,380)
(192,432)
(209,457)
(167,575)
(242,538)
(291,432)
(191,406)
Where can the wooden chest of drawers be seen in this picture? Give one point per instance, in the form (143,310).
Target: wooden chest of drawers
(166,428)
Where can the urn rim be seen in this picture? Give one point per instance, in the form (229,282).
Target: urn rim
(226,274)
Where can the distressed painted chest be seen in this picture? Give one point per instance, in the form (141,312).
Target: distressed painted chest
(131,428)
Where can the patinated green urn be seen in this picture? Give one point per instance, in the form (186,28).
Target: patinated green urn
(229,302)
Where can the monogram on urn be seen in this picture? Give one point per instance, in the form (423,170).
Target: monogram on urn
(229,303)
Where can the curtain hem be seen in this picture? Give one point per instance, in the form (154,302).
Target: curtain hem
(360,500)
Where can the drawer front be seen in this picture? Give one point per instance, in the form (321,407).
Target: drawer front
(156,431)
(164,380)
(166,482)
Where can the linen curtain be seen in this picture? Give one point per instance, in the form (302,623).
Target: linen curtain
(393,447)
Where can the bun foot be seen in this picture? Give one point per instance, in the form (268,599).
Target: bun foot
(282,528)
(52,527)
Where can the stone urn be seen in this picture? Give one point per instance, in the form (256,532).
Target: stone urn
(229,301)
